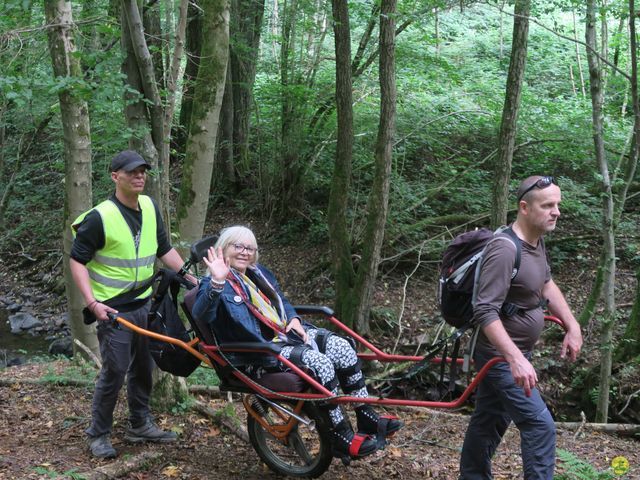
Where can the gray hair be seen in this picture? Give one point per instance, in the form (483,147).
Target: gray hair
(237,234)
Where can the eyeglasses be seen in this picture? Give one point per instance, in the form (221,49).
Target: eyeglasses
(541,183)
(243,248)
(136,172)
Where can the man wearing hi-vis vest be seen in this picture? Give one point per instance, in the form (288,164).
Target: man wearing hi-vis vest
(114,251)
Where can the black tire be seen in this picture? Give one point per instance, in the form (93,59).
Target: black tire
(307,452)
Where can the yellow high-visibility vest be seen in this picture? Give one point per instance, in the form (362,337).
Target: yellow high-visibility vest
(119,266)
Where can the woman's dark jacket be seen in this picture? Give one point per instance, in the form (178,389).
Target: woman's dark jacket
(229,317)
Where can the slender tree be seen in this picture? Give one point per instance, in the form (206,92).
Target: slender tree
(339,239)
(609,257)
(145,72)
(630,346)
(354,287)
(193,199)
(74,114)
(508,125)
(378,202)
(246,27)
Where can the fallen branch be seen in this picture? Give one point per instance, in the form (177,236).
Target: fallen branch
(583,422)
(89,353)
(204,389)
(124,466)
(222,419)
(634,394)
(623,428)
(71,382)
(75,382)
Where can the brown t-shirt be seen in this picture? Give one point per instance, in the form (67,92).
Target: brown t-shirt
(495,287)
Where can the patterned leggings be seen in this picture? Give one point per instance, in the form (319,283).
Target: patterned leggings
(338,354)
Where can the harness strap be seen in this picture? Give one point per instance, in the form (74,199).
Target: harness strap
(254,311)
(356,443)
(453,367)
(297,352)
(321,339)
(343,375)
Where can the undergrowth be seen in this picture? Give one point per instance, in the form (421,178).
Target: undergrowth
(575,468)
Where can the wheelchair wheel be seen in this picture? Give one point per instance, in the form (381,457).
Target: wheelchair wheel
(285,444)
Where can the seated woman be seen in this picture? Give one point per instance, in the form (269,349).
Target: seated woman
(241,301)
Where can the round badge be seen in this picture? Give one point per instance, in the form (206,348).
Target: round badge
(237,299)
(620,465)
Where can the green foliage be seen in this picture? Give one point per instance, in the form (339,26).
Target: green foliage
(575,468)
(48,472)
(75,370)
(203,376)
(183,406)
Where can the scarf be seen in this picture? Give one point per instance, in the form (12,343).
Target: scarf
(261,302)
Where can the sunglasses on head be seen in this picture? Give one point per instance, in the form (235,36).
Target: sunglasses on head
(541,183)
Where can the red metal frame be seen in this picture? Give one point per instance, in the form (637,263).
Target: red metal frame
(215,354)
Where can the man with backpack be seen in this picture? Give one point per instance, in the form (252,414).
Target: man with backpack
(509,313)
(112,263)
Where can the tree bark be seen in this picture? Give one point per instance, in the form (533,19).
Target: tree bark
(378,202)
(246,27)
(193,198)
(578,57)
(609,260)
(508,126)
(135,109)
(74,114)
(152,94)
(193,47)
(226,173)
(630,346)
(339,240)
(172,80)
(154,39)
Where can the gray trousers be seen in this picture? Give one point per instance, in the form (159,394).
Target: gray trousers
(124,354)
(498,402)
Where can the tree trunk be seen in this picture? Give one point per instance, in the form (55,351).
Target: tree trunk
(507,138)
(578,57)
(154,40)
(246,26)
(630,346)
(290,123)
(594,294)
(226,173)
(77,150)
(144,62)
(172,80)
(193,198)
(378,203)
(339,240)
(193,47)
(135,109)
(609,261)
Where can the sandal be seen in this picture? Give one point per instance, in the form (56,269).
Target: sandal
(382,426)
(348,444)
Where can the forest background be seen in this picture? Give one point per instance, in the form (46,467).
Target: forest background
(372,132)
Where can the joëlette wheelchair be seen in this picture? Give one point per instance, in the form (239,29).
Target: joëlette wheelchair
(286,427)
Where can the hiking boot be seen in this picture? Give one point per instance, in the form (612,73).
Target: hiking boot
(149,432)
(382,426)
(347,444)
(101,446)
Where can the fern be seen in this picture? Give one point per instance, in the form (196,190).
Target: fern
(578,469)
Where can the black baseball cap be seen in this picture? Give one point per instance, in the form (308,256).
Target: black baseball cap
(128,160)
